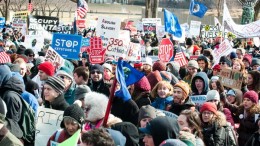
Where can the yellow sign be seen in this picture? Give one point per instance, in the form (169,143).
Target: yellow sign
(20,19)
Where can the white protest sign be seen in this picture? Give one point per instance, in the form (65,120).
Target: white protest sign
(134,52)
(224,49)
(256,41)
(195,28)
(160,31)
(48,121)
(108,27)
(198,99)
(158,21)
(54,58)
(139,26)
(34,42)
(118,47)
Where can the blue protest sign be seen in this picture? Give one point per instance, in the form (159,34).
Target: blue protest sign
(2,22)
(198,99)
(85,42)
(68,46)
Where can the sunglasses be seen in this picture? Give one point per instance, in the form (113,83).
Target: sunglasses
(95,71)
(222,63)
(31,55)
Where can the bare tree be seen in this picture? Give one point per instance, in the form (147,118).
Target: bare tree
(18,5)
(219,7)
(4,8)
(61,4)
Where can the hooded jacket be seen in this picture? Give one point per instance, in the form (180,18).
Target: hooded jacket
(8,139)
(207,70)
(174,69)
(162,103)
(203,76)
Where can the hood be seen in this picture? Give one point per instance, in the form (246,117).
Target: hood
(221,119)
(15,84)
(5,74)
(204,77)
(201,57)
(174,68)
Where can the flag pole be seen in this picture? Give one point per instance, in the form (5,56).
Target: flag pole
(75,20)
(223,29)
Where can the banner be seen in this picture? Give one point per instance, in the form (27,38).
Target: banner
(209,31)
(20,19)
(160,31)
(157,21)
(224,49)
(85,44)
(38,25)
(68,46)
(2,22)
(195,28)
(134,52)
(54,58)
(108,27)
(198,99)
(48,122)
(34,42)
(231,79)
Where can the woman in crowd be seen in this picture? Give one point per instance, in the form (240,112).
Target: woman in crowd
(234,96)
(215,84)
(193,67)
(147,65)
(253,81)
(239,66)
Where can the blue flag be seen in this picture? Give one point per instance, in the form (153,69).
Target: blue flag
(197,9)
(172,24)
(126,75)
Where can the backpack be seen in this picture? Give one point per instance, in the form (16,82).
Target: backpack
(230,136)
(27,120)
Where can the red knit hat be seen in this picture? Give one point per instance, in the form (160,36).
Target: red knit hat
(209,106)
(154,77)
(159,65)
(252,95)
(195,48)
(143,84)
(138,65)
(217,67)
(47,67)
(248,58)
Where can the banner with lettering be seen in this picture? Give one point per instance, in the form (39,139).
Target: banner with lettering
(224,49)
(2,22)
(195,28)
(48,121)
(20,19)
(54,58)
(134,52)
(108,27)
(231,79)
(198,99)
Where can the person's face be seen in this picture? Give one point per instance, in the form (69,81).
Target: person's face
(202,64)
(207,116)
(214,101)
(49,93)
(148,140)
(246,63)
(236,66)
(192,70)
(231,99)
(250,79)
(43,76)
(199,84)
(71,125)
(255,67)
(96,75)
(67,81)
(178,95)
(163,91)
(247,103)
(215,72)
(239,54)
(23,69)
(144,121)
(214,85)
(182,122)
(146,67)
(31,57)
(223,65)
(78,80)
(197,52)
(84,60)
(107,72)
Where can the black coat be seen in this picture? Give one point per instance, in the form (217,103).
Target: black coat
(58,104)
(254,140)
(99,87)
(177,108)
(214,135)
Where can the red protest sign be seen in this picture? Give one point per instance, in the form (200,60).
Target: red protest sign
(165,52)
(96,51)
(80,23)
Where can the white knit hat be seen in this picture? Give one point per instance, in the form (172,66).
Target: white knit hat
(213,95)
(148,61)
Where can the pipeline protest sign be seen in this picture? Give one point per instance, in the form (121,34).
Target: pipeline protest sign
(198,99)
(20,19)
(48,121)
(210,31)
(134,52)
(34,42)
(108,27)
(54,58)
(2,22)
(225,48)
(96,51)
(231,79)
(195,28)
(68,46)
(72,141)
(149,27)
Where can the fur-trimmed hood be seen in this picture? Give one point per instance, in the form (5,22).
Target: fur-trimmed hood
(221,119)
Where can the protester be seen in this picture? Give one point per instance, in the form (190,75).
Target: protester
(81,75)
(200,84)
(97,137)
(147,65)
(204,65)
(255,63)
(193,67)
(254,139)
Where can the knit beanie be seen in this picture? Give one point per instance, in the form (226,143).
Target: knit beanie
(148,61)
(3,111)
(213,95)
(66,72)
(81,91)
(225,59)
(193,63)
(159,65)
(75,112)
(47,67)
(143,84)
(28,52)
(189,41)
(233,55)
(188,138)
(14,67)
(214,78)
(173,142)
(97,67)
(248,58)
(153,78)
(107,66)
(138,64)
(146,111)
(252,95)
(56,83)
(195,48)
(255,61)
(184,86)
(209,106)
(231,93)
(217,67)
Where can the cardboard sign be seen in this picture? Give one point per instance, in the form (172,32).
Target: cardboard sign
(34,42)
(54,58)
(81,23)
(20,19)
(108,27)
(231,79)
(198,99)
(85,44)
(224,49)
(38,25)
(2,22)
(48,121)
(96,51)
(68,46)
(134,52)
(195,28)
(149,27)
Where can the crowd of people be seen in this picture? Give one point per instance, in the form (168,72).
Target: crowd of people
(160,111)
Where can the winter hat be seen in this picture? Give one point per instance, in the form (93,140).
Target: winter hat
(5,74)
(225,59)
(173,142)
(3,111)
(159,65)
(184,86)
(47,67)
(97,67)
(109,59)
(252,95)
(217,67)
(209,106)
(195,48)
(214,78)
(107,66)
(248,58)
(153,78)
(233,55)
(28,52)
(231,93)
(213,95)
(188,138)
(143,84)
(21,50)
(189,41)
(84,55)
(146,111)
(148,61)
(14,67)
(255,61)
(193,63)
(138,64)
(56,83)
(81,91)
(66,72)
(75,112)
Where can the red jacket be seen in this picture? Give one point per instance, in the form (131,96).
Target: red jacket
(63,136)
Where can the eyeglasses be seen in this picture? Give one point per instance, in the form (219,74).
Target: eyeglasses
(95,71)
(222,63)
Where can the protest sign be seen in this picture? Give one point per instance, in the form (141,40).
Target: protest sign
(81,23)
(169,114)
(160,31)
(68,46)
(48,121)
(20,19)
(149,27)
(157,21)
(34,42)
(195,28)
(72,141)
(209,31)
(84,44)
(38,25)
(194,57)
(96,51)
(108,27)
(134,52)
(2,22)
(198,99)
(54,58)
(224,49)
(230,78)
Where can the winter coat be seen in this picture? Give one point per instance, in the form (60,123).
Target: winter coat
(177,108)
(143,98)
(118,137)
(62,137)
(8,139)
(69,95)
(31,100)
(59,103)
(99,87)
(162,103)
(254,140)
(203,76)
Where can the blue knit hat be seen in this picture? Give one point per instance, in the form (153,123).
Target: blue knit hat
(233,55)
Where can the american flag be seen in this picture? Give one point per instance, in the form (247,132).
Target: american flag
(82,8)
(180,58)
(4,58)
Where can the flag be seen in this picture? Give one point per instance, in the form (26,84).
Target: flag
(4,58)
(197,9)
(82,8)
(126,75)
(172,24)
(216,21)
(180,58)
